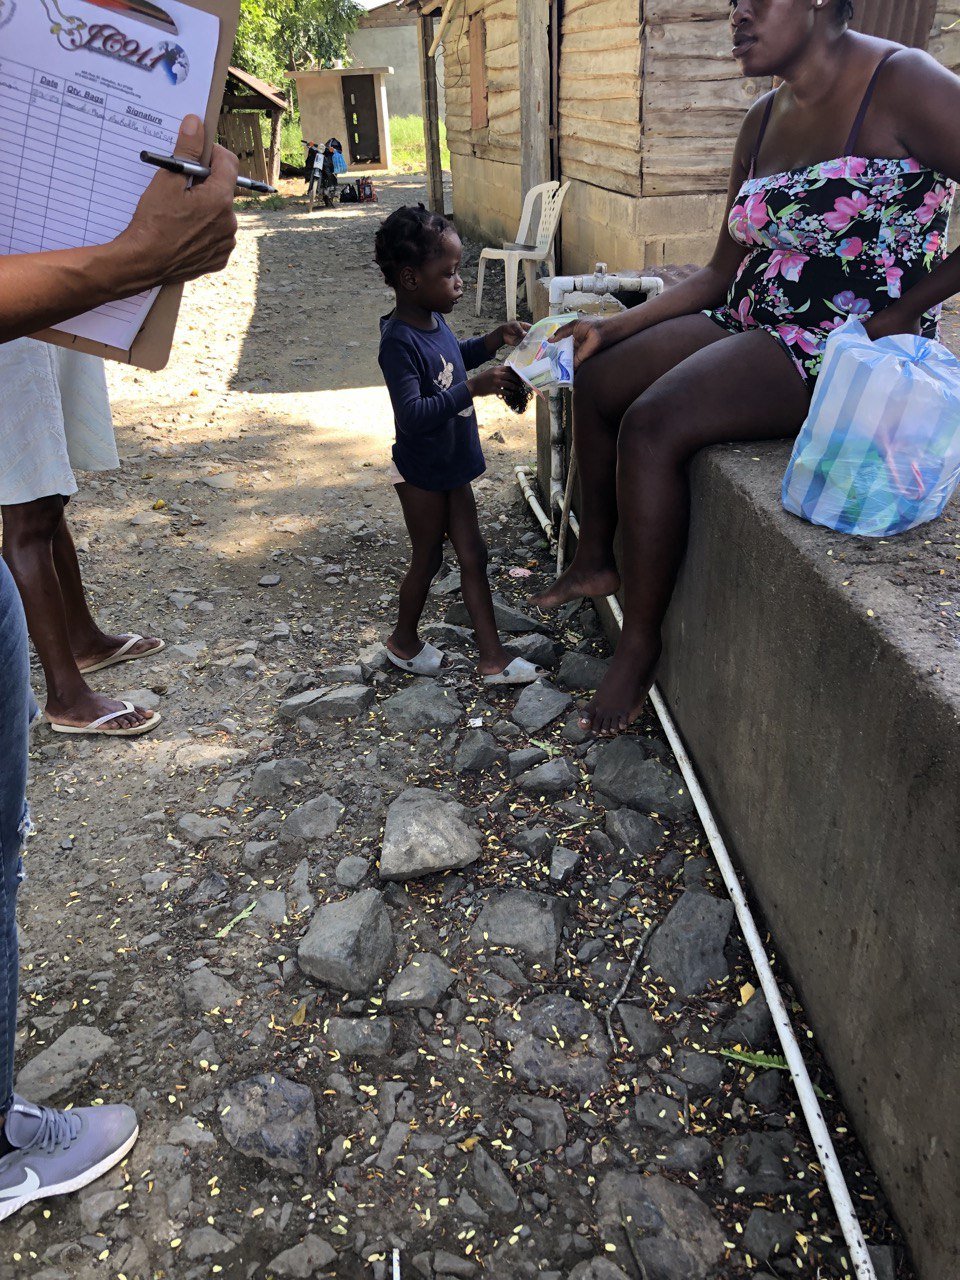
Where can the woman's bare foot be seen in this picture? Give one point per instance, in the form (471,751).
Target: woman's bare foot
(106,646)
(623,691)
(91,706)
(577,583)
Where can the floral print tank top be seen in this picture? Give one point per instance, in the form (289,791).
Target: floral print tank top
(844,238)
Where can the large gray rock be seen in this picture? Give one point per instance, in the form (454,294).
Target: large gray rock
(274,777)
(625,776)
(687,949)
(273,1119)
(478,752)
(421,984)
(632,832)
(550,779)
(64,1063)
(204,991)
(548,1120)
(304,1261)
(582,671)
(315,820)
(530,922)
(761,1163)
(425,833)
(360,1037)
(771,1235)
(423,705)
(664,1224)
(557,1044)
(645,1033)
(349,943)
(751,1025)
(597,1269)
(342,702)
(538,705)
(536,648)
(510,621)
(492,1185)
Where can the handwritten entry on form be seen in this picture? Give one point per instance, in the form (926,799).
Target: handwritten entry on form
(85,86)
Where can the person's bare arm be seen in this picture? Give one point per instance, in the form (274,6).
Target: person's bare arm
(924,99)
(176,234)
(700,290)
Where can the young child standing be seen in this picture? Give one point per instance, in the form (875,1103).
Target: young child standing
(437,453)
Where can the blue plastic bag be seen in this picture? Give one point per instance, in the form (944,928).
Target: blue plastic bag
(880,452)
(339,164)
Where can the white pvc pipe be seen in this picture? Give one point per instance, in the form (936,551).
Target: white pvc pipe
(826,1152)
(535,507)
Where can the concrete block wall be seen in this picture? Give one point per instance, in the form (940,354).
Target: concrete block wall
(486,198)
(598,226)
(829,744)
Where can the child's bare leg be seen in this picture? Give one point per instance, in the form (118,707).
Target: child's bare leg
(425,514)
(464,530)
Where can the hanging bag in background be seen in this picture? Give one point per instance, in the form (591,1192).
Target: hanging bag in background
(339,164)
(880,452)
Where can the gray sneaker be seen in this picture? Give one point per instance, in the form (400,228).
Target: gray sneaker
(56,1152)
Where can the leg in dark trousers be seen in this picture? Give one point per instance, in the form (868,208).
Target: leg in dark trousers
(468,543)
(425,514)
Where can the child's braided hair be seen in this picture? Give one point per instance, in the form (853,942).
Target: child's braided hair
(408,238)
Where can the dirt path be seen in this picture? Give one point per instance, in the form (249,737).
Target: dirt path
(469,1113)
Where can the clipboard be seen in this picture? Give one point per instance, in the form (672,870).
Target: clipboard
(153,343)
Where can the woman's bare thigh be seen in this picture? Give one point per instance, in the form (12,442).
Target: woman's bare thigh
(611,381)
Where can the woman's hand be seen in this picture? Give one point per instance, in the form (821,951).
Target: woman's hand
(892,321)
(589,337)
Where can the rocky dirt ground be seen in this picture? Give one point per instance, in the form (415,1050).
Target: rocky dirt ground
(350,942)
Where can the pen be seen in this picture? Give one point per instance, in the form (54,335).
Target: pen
(190,169)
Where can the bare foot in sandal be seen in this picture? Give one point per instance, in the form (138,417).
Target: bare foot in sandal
(110,650)
(94,713)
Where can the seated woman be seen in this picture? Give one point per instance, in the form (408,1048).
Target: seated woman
(840,196)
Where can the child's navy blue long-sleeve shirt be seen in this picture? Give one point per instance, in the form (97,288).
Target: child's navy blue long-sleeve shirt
(438,442)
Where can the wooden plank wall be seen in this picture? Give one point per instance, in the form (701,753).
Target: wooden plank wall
(600,94)
(500,140)
(694,97)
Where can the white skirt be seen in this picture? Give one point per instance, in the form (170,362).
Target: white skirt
(54,417)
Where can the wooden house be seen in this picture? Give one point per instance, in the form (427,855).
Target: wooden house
(636,102)
(247,101)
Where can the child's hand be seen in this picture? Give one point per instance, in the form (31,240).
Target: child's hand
(512,334)
(492,382)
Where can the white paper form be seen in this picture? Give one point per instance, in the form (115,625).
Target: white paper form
(85,86)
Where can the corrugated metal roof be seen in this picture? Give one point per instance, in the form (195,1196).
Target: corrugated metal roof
(908,22)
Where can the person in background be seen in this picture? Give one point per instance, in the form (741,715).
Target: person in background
(177,233)
(55,415)
(437,452)
(310,167)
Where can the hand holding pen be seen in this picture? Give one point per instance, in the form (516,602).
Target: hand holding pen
(180,231)
(193,169)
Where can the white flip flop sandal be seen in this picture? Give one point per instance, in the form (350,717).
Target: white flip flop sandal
(427,662)
(97,726)
(519,671)
(123,654)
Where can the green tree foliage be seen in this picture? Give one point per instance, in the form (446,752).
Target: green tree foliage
(275,36)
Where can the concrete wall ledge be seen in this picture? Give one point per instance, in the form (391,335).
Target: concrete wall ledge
(825,721)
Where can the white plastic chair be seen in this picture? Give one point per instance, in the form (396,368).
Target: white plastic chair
(551,196)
